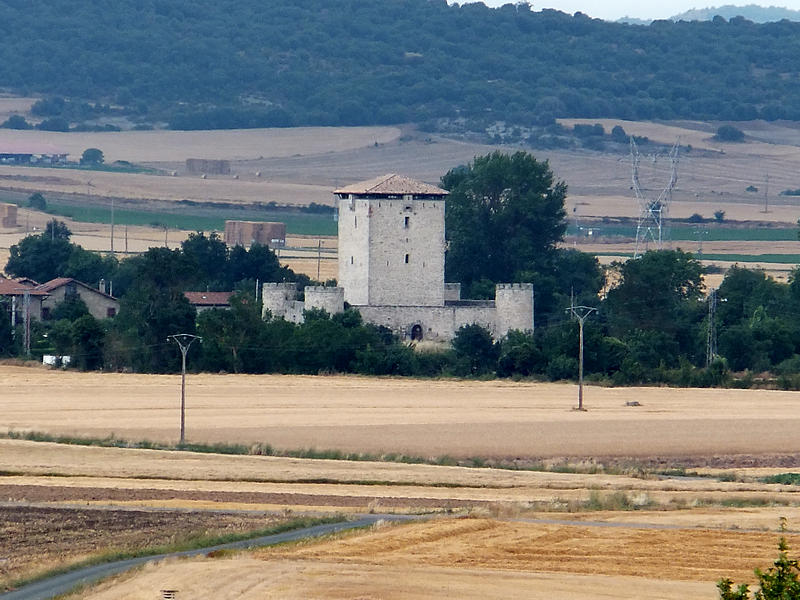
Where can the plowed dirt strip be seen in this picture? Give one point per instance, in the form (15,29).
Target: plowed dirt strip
(37,538)
(35,493)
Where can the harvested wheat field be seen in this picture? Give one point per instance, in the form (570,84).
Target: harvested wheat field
(429,418)
(468,558)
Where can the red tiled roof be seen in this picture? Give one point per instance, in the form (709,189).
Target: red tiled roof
(56,283)
(209,298)
(392,184)
(12,287)
(49,286)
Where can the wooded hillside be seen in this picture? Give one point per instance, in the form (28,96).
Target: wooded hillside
(250,63)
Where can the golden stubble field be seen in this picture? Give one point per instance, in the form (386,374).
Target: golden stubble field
(429,418)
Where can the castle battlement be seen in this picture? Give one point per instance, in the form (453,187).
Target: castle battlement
(275,286)
(322,289)
(514,286)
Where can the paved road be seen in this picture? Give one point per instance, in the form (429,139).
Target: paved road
(61,584)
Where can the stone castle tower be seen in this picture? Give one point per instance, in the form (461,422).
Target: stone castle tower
(391,268)
(391,242)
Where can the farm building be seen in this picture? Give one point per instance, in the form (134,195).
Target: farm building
(8,215)
(247,233)
(207,300)
(391,268)
(100,304)
(208,166)
(13,292)
(31,153)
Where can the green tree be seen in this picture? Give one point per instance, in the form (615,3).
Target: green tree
(16,122)
(729,133)
(656,303)
(505,215)
(7,345)
(153,308)
(780,582)
(41,257)
(71,309)
(475,351)
(209,257)
(88,337)
(92,156)
(37,202)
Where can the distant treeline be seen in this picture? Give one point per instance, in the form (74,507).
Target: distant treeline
(227,64)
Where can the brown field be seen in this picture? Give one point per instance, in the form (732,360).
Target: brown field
(41,537)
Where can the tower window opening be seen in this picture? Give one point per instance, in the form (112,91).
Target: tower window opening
(405,221)
(406,258)
(351,260)
(355,222)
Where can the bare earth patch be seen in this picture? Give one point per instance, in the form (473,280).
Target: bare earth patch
(39,538)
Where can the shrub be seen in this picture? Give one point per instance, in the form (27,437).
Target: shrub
(729,133)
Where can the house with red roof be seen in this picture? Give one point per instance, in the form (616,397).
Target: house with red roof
(101,305)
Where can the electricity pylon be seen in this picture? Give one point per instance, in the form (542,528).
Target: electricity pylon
(652,212)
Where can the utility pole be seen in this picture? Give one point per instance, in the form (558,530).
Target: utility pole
(581,313)
(112,224)
(26,303)
(319,255)
(184,340)
(711,341)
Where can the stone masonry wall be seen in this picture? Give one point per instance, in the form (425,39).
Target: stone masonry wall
(406,260)
(354,224)
(329,299)
(514,302)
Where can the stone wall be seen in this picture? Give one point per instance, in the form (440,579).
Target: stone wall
(438,323)
(354,236)
(406,262)
(514,303)
(452,292)
(329,299)
(276,298)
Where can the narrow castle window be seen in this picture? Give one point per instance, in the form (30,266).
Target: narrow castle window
(355,222)
(351,260)
(406,258)
(405,222)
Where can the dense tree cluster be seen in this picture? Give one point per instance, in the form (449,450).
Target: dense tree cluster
(337,62)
